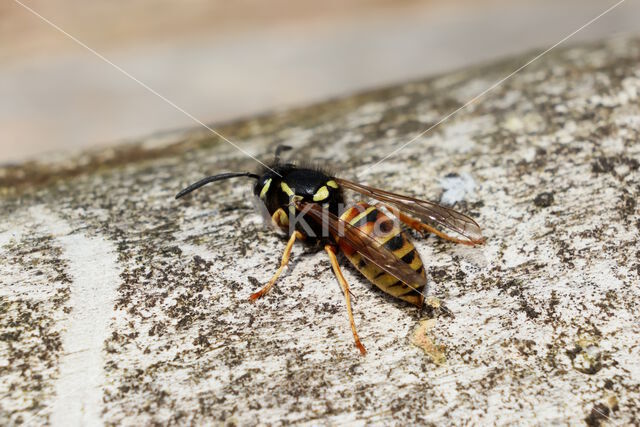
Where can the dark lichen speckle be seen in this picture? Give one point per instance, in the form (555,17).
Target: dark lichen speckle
(586,356)
(543,200)
(603,165)
(30,336)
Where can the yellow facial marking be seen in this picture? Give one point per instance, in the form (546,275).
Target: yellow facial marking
(332,184)
(288,191)
(265,189)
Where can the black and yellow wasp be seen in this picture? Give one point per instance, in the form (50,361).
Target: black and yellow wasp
(308,204)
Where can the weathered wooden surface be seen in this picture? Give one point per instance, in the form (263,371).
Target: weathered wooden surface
(119,304)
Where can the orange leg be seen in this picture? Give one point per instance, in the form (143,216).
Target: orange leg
(345,287)
(422,227)
(283,264)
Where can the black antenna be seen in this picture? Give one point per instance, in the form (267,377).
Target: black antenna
(213,178)
(280,149)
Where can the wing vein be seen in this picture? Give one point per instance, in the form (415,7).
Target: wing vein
(429,212)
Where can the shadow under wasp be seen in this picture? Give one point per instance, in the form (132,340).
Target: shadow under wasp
(308,204)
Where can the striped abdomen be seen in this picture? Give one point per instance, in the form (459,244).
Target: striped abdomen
(384,230)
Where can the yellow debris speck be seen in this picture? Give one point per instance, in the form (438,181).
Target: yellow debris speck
(422,340)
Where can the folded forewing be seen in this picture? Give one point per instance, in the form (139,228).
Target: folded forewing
(429,212)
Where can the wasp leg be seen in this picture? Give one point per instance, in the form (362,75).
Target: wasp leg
(283,264)
(422,227)
(345,287)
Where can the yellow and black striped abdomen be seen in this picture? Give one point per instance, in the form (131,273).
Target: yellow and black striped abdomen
(384,230)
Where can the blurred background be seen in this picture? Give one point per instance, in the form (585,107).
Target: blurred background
(221,60)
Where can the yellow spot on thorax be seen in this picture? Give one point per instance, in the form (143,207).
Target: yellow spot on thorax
(332,184)
(321,194)
(288,191)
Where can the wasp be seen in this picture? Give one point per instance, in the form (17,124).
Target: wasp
(308,205)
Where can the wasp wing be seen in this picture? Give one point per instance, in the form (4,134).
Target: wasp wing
(428,212)
(369,248)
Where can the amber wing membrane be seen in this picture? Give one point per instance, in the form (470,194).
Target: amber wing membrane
(365,245)
(429,212)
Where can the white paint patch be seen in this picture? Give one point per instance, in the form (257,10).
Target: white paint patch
(456,188)
(95,275)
